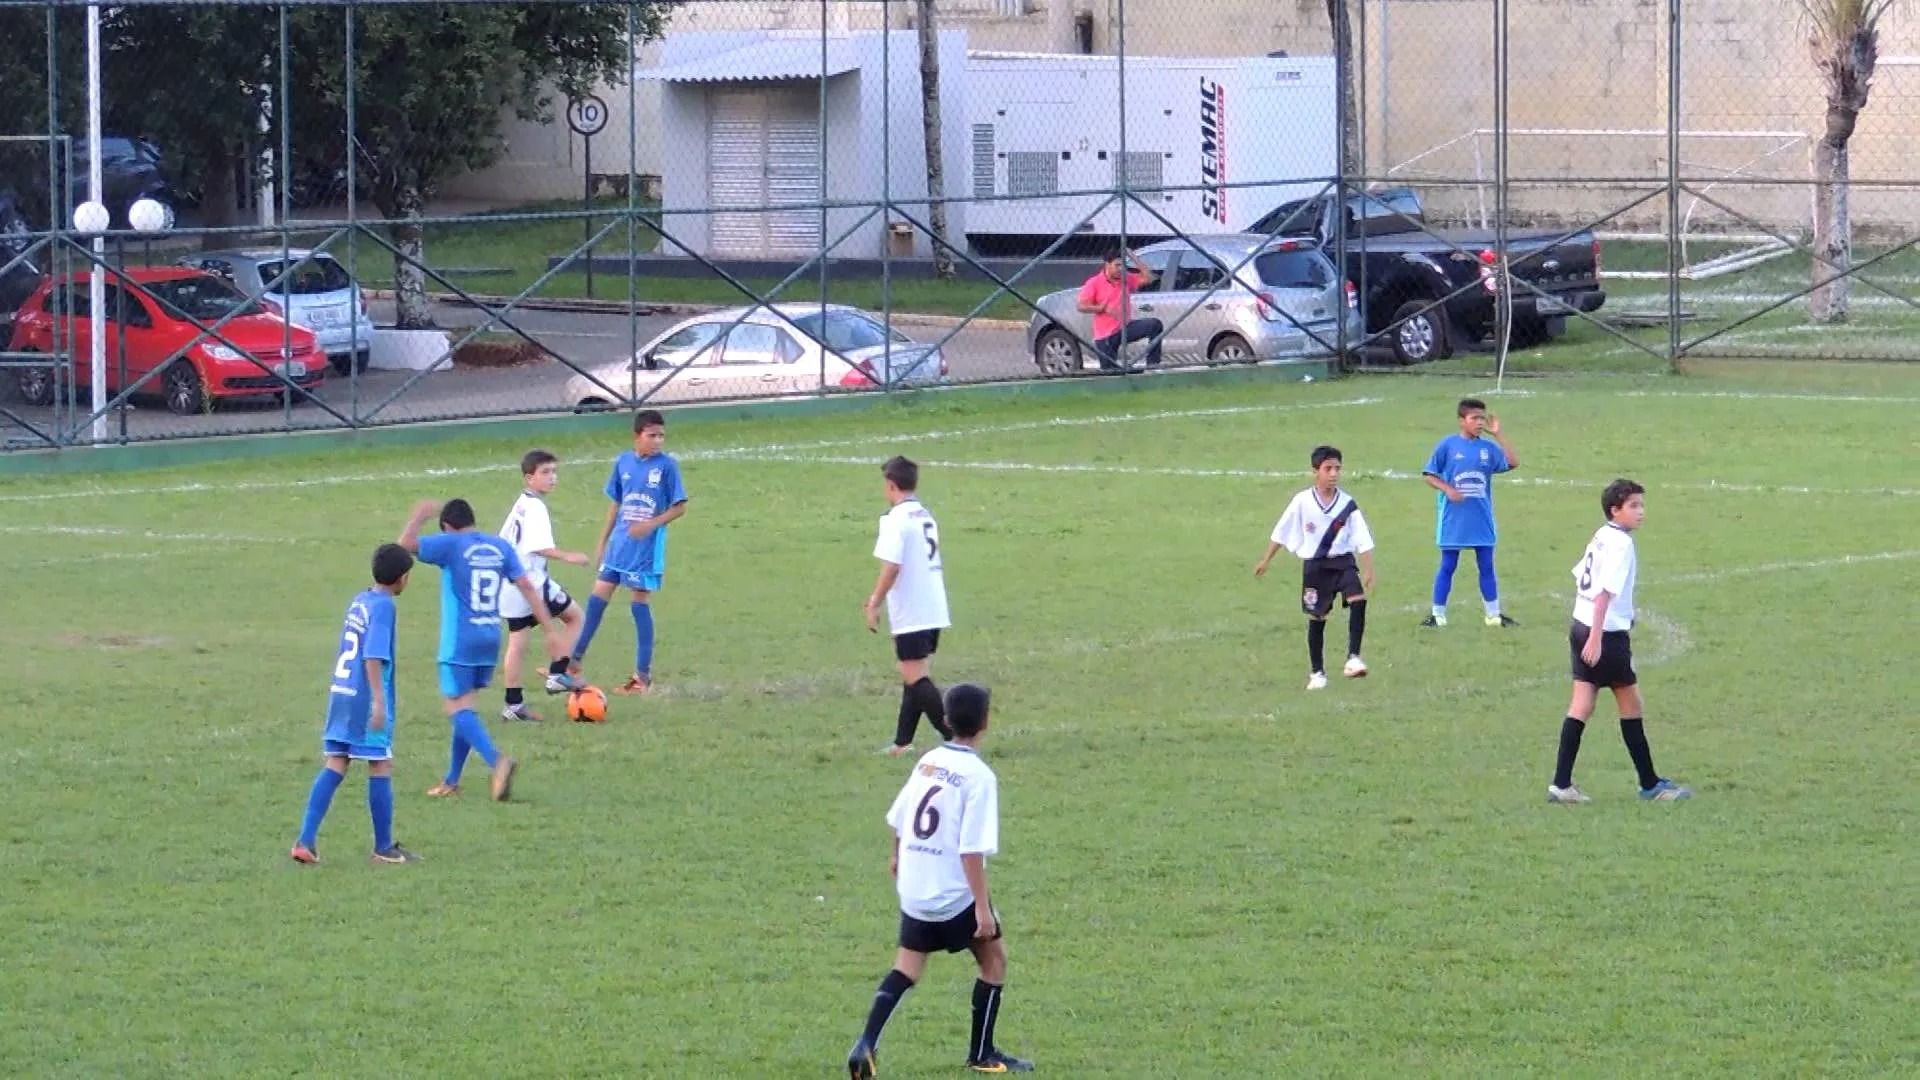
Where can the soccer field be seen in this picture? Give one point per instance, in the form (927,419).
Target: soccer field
(1205,870)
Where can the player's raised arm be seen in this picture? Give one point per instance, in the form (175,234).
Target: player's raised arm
(410,535)
(1511,460)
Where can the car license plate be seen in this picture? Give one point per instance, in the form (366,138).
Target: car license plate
(1550,305)
(292,369)
(326,316)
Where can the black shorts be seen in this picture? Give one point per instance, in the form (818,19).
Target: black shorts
(954,935)
(1323,579)
(557,602)
(1615,667)
(917,645)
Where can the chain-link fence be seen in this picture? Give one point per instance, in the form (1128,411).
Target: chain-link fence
(326,215)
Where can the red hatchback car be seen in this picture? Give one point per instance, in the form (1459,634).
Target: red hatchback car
(156,327)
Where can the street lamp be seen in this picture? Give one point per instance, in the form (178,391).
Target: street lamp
(90,218)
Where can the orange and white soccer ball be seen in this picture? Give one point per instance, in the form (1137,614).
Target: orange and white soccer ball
(587,705)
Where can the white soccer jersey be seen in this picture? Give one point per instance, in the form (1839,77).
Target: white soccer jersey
(1306,521)
(1608,565)
(949,807)
(529,528)
(910,540)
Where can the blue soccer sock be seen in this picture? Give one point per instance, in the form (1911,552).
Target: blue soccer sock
(1489,581)
(643,637)
(318,800)
(460,751)
(1443,578)
(467,726)
(596,610)
(380,805)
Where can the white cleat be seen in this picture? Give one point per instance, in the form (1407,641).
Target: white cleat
(1569,795)
(1356,668)
(1317,681)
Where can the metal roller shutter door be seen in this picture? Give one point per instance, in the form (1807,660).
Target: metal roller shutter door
(763,150)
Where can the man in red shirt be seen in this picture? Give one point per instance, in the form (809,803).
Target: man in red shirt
(1108,297)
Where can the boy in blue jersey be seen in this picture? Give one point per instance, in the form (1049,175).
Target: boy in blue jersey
(1461,470)
(474,567)
(647,496)
(360,717)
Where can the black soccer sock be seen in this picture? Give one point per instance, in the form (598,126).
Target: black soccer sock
(986,1010)
(933,705)
(514,696)
(1356,626)
(560,666)
(1317,645)
(892,989)
(909,716)
(1570,732)
(1633,732)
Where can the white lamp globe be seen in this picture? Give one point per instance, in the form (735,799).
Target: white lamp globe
(150,216)
(91,217)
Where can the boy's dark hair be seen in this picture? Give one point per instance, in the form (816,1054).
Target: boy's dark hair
(1323,454)
(391,562)
(967,708)
(1471,404)
(457,514)
(1115,255)
(531,461)
(901,473)
(1617,494)
(647,418)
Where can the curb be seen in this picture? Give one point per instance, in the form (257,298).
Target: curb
(610,307)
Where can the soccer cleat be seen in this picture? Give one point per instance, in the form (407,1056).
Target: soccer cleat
(1317,681)
(395,854)
(895,751)
(1665,791)
(862,1064)
(635,684)
(565,683)
(1569,795)
(1434,622)
(305,855)
(1500,621)
(503,778)
(1356,668)
(999,1061)
(521,713)
(443,790)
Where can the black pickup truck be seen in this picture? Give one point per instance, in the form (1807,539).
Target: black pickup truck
(1401,268)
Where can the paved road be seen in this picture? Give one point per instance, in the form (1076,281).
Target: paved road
(582,339)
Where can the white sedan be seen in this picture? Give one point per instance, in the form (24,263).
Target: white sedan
(769,350)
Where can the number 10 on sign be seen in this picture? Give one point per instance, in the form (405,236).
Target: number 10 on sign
(587,116)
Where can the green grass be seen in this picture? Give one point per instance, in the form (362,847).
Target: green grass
(1206,870)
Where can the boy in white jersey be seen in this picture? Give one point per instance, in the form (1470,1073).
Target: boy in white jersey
(914,589)
(945,823)
(1603,648)
(1324,527)
(529,528)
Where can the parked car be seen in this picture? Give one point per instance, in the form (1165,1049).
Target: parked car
(790,348)
(18,272)
(1285,301)
(318,294)
(157,333)
(1403,268)
(131,169)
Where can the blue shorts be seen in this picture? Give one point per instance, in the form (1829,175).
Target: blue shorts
(459,680)
(628,579)
(356,751)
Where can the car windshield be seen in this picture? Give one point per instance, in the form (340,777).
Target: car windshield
(203,298)
(312,276)
(1292,270)
(845,331)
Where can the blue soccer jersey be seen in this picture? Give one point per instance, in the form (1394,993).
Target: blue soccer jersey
(1469,466)
(645,488)
(474,568)
(365,634)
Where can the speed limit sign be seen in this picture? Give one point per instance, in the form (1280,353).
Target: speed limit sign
(587,116)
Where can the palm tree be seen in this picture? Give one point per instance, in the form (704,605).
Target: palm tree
(1844,37)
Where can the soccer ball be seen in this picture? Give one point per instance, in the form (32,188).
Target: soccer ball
(587,705)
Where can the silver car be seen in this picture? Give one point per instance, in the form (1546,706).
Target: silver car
(1286,301)
(318,294)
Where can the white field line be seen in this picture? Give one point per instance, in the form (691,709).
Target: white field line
(150,534)
(1301,474)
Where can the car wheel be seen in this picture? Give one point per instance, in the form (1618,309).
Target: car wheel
(592,404)
(1057,353)
(1231,349)
(1419,333)
(182,388)
(349,363)
(38,386)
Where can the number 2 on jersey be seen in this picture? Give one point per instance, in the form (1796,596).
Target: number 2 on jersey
(344,669)
(483,592)
(926,817)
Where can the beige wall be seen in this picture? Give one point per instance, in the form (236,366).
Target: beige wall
(1428,67)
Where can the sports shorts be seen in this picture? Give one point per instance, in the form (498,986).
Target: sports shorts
(1615,666)
(953,935)
(1323,579)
